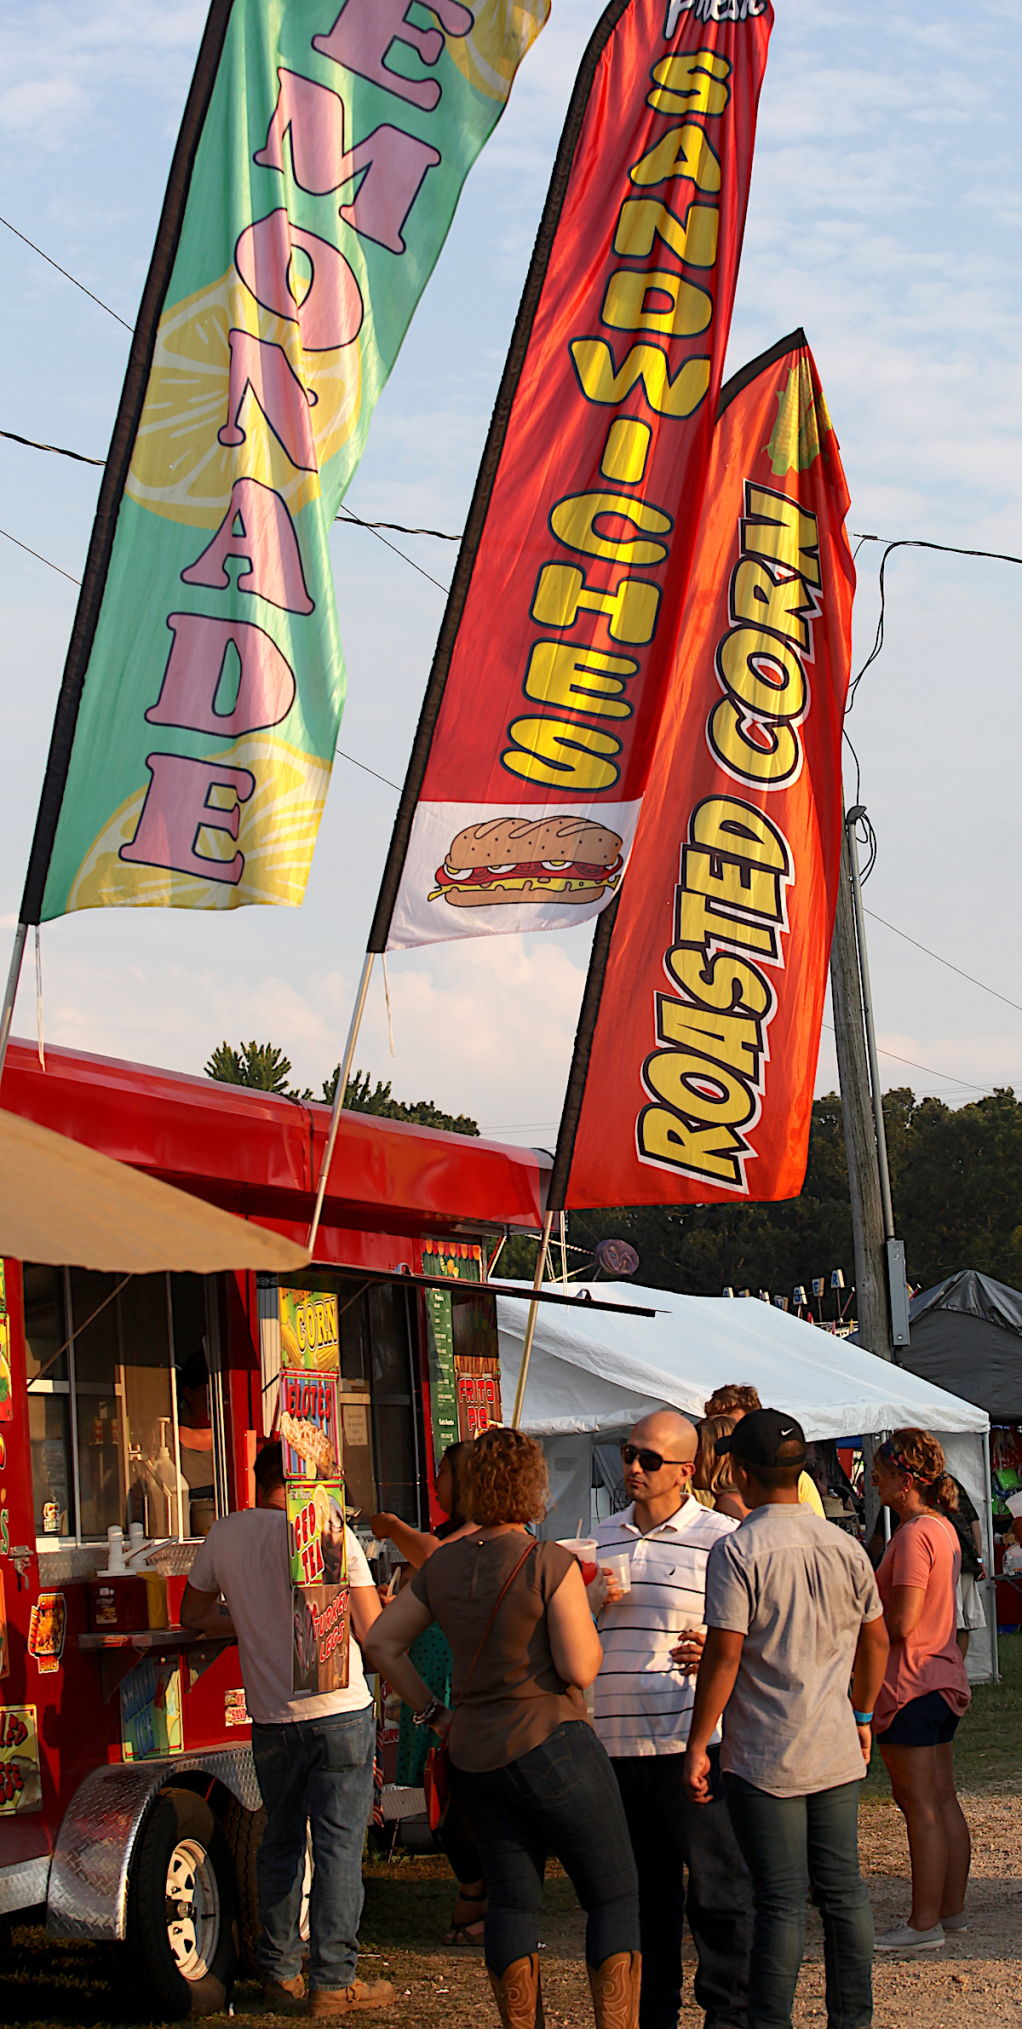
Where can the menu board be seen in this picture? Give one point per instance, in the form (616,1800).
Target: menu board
(457,1261)
(310,1431)
(309,1425)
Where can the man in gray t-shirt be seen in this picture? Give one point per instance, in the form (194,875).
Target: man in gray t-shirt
(793,1617)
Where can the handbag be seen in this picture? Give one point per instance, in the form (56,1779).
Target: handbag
(436,1776)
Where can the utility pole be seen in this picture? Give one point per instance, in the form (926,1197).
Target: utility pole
(857,1107)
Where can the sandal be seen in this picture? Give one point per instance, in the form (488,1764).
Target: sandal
(466,1933)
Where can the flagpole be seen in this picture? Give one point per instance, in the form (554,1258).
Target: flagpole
(530,1323)
(11,991)
(343,1074)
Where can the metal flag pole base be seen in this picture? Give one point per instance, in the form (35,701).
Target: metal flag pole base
(530,1327)
(11,993)
(343,1074)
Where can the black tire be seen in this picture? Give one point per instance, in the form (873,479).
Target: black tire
(182,1910)
(244,1831)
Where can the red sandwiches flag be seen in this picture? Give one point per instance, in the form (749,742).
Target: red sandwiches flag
(541,713)
(699,1037)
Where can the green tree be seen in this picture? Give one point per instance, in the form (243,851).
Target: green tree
(361,1096)
(266,1067)
(259,1064)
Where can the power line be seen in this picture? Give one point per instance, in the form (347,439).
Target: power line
(56,450)
(928,1068)
(68,277)
(346,511)
(973,981)
(39,555)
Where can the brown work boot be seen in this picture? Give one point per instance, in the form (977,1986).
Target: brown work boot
(517,1994)
(615,1991)
(328,2004)
(285,1997)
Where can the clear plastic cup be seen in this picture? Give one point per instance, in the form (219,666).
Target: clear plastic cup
(584,1548)
(617,1565)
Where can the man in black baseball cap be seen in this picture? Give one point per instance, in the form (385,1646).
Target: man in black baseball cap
(767,1441)
(793,1618)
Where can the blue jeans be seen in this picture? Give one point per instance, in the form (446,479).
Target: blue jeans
(560,1798)
(673,1839)
(792,1845)
(320,1770)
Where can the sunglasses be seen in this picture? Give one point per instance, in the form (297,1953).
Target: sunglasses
(650,1461)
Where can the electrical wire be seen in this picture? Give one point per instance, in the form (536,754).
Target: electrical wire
(910,543)
(39,556)
(68,277)
(928,1068)
(346,512)
(973,981)
(56,449)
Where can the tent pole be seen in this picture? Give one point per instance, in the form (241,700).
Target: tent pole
(343,1074)
(988,1545)
(530,1328)
(11,991)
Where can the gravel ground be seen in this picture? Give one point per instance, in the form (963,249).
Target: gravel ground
(974,1979)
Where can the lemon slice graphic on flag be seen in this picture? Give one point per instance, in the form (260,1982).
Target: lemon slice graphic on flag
(276,834)
(490,53)
(179,467)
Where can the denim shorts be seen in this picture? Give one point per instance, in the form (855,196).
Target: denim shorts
(923,1722)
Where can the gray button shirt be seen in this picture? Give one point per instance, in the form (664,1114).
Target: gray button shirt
(799,1590)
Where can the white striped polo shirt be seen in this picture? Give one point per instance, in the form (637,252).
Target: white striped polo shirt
(643,1702)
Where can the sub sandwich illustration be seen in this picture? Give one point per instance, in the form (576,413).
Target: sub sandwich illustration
(515,859)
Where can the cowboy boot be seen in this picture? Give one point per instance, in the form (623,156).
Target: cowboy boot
(517,1994)
(615,1990)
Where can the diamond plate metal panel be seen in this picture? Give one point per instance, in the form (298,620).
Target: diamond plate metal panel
(24,1886)
(88,1886)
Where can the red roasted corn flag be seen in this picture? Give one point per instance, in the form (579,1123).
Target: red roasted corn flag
(700,1031)
(541,712)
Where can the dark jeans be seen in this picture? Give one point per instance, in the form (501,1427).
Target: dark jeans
(793,1844)
(559,1799)
(669,1834)
(320,1770)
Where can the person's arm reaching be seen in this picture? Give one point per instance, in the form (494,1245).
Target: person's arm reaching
(414,1545)
(365,1611)
(868,1668)
(574,1643)
(205,1612)
(718,1671)
(388,1641)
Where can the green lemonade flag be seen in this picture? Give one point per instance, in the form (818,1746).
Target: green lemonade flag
(318,168)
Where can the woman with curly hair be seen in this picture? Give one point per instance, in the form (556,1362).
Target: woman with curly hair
(525,1761)
(925,1688)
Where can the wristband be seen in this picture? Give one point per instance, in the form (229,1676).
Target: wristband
(429,1713)
(861,1718)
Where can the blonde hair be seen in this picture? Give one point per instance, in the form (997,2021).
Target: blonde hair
(504,1478)
(712,1475)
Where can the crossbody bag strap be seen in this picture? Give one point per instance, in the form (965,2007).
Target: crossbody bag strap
(498,1603)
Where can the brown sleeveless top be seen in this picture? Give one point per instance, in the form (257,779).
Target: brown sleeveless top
(515,1698)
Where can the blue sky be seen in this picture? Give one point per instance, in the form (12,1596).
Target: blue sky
(885,218)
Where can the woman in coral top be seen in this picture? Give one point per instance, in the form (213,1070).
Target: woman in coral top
(925,1688)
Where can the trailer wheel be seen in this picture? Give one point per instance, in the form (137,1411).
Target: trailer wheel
(182,1909)
(244,1830)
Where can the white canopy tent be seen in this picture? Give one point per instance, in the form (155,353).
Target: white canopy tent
(594,1373)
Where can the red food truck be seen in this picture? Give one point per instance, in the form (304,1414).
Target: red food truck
(128,1801)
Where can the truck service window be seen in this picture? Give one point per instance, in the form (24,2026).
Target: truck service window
(119,1423)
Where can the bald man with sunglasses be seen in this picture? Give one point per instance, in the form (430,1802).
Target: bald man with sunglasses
(687,1855)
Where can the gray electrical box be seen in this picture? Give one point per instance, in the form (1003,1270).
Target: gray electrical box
(897,1292)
